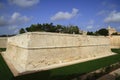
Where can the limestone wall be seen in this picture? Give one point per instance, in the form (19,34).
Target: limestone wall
(115,41)
(3,42)
(37,50)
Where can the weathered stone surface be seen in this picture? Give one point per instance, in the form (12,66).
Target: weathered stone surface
(38,51)
(115,41)
(3,42)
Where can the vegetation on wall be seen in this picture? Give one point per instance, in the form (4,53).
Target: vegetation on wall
(49,27)
(22,31)
(115,33)
(101,32)
(71,29)
(90,33)
(7,35)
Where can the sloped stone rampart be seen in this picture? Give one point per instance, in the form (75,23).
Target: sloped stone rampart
(39,50)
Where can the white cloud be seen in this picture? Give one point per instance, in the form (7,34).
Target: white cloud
(12,27)
(89,27)
(15,15)
(16,31)
(15,19)
(113,17)
(91,22)
(24,3)
(3,21)
(12,22)
(65,15)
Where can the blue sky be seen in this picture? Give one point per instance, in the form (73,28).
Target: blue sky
(89,15)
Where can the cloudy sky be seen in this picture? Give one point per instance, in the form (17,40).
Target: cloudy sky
(89,15)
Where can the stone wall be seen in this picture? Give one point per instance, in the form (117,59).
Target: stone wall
(115,41)
(37,50)
(3,42)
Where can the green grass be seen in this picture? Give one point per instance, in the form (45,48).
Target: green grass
(66,73)
(116,50)
(118,78)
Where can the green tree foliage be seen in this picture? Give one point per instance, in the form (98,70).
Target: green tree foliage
(22,31)
(115,33)
(90,33)
(49,27)
(73,29)
(103,32)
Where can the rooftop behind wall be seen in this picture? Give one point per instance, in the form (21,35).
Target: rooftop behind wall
(39,51)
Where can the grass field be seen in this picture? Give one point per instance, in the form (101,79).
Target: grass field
(66,73)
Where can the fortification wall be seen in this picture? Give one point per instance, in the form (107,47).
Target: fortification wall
(37,50)
(3,42)
(115,41)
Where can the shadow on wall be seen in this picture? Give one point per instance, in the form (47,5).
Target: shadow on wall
(3,42)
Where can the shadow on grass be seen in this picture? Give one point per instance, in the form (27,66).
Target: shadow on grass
(5,73)
(116,50)
(46,75)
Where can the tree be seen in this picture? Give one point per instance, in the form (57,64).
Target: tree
(59,28)
(103,32)
(115,33)
(22,31)
(49,27)
(90,33)
(28,29)
(73,29)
